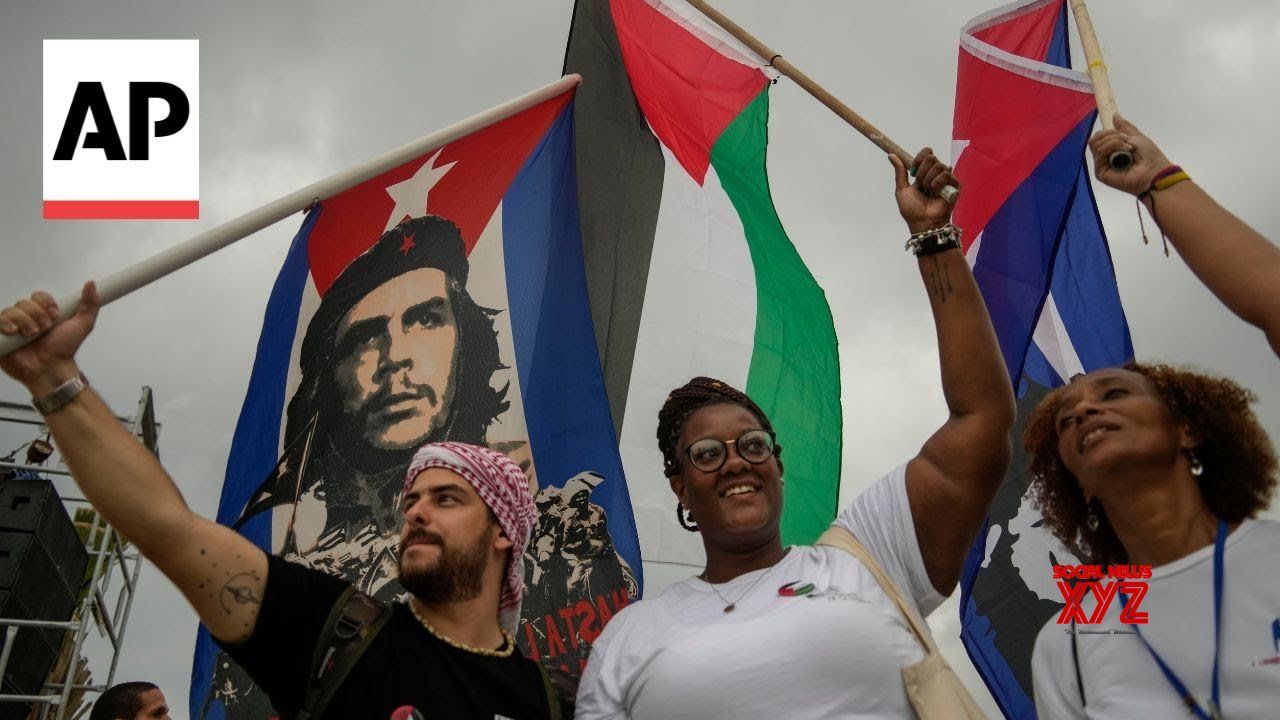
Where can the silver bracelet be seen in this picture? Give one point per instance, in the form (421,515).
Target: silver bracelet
(61,395)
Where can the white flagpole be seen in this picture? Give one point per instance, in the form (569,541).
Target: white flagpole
(125,281)
(1106,98)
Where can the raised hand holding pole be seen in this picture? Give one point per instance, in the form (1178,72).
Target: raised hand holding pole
(859,123)
(1120,159)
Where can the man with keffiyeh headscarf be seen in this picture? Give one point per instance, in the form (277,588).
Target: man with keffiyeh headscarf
(468,515)
(430,494)
(397,354)
(449,649)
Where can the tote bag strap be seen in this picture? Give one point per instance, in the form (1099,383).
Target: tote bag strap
(838,537)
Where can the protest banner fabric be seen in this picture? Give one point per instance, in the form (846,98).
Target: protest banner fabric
(1036,245)
(443,299)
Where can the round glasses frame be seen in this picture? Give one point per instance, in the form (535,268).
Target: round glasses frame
(724,449)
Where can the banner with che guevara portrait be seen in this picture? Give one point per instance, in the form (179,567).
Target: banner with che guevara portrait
(444,299)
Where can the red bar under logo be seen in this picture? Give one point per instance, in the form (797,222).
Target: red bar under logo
(121,209)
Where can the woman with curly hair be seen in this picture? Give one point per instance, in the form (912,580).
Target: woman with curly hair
(767,631)
(1150,465)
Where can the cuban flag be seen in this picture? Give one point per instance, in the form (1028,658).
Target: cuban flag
(1035,241)
(443,299)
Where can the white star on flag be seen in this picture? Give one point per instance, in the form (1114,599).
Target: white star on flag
(411,195)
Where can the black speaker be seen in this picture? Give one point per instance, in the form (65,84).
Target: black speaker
(13,710)
(33,506)
(27,571)
(33,654)
(42,564)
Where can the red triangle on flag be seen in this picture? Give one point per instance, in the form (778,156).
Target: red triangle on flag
(1007,120)
(689,91)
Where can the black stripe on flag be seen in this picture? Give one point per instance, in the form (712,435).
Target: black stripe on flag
(620,170)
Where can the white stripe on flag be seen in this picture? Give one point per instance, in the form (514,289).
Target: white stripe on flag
(1053,340)
(698,319)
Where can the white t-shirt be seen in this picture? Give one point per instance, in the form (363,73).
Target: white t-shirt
(835,652)
(1121,680)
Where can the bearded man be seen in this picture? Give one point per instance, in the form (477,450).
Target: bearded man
(467,513)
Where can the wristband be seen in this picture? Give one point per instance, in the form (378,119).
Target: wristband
(1169,177)
(61,395)
(1163,180)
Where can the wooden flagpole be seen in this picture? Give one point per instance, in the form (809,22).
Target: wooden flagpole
(1120,159)
(179,256)
(859,123)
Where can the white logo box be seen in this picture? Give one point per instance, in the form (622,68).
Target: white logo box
(165,185)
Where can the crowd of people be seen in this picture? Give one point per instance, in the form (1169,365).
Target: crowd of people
(1145,464)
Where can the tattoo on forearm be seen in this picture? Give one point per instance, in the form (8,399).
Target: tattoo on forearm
(938,280)
(238,591)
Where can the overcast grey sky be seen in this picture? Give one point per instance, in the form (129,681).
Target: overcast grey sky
(294,91)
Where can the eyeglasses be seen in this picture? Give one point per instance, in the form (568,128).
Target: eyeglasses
(709,454)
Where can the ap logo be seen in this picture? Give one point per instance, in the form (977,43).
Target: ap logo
(121,129)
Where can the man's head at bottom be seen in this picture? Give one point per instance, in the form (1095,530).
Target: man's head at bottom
(131,701)
(468,515)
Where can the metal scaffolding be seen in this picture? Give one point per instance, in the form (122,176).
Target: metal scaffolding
(103,604)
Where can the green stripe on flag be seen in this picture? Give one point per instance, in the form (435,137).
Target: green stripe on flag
(795,365)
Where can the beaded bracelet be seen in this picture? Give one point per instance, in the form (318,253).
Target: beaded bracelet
(930,242)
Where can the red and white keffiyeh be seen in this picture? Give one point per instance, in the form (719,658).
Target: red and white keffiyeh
(505,489)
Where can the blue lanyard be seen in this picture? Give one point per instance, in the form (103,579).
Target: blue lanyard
(1215,705)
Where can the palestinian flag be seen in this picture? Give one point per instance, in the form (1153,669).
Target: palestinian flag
(689,268)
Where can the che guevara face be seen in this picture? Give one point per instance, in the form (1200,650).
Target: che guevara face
(397,352)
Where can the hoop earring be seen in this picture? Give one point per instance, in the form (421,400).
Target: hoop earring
(1197,467)
(1091,520)
(680,517)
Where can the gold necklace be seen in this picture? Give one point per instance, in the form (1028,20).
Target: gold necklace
(508,643)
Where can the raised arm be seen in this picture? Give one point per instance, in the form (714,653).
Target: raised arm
(1239,265)
(951,482)
(221,573)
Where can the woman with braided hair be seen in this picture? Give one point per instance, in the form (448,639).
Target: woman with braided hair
(1160,470)
(767,631)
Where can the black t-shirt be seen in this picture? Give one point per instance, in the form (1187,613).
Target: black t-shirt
(405,665)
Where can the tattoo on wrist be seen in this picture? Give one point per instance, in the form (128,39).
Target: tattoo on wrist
(938,280)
